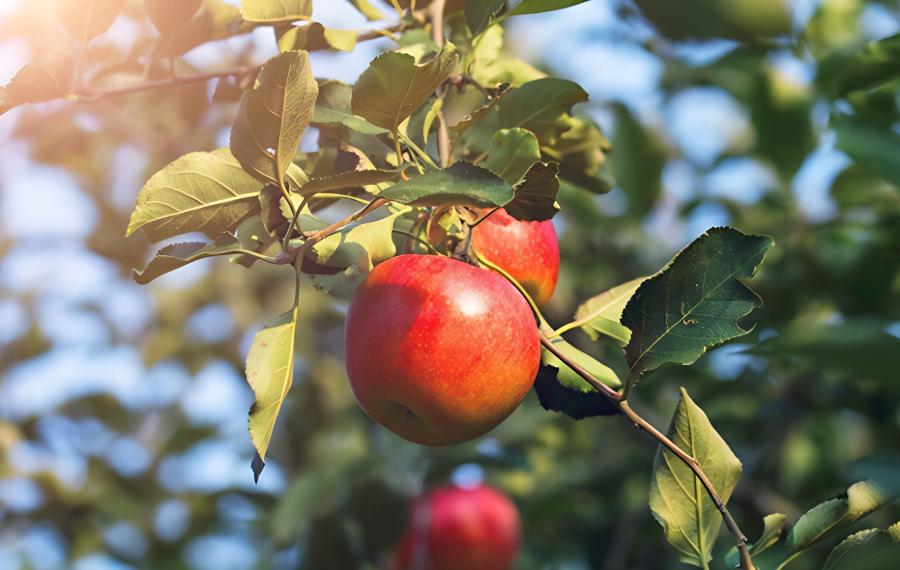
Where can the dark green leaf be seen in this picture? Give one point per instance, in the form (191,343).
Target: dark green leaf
(347,180)
(873,146)
(538,104)
(741,20)
(47,77)
(773,525)
(872,549)
(860,499)
(333,107)
(205,192)
(581,152)
(479,14)
(875,64)
(270,11)
(273,116)
(86,19)
(601,314)
(394,86)
(535,198)
(168,16)
(638,163)
(679,502)
(561,389)
(270,372)
(512,153)
(462,184)
(695,302)
(536,6)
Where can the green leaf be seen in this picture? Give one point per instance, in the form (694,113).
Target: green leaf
(394,86)
(535,198)
(347,180)
(705,19)
(431,116)
(581,152)
(860,499)
(168,16)
(216,20)
(270,372)
(875,64)
(677,498)
(368,10)
(602,314)
(639,162)
(269,11)
(178,255)
(538,104)
(512,153)
(314,36)
(561,389)
(333,107)
(772,528)
(273,115)
(872,549)
(86,19)
(873,146)
(695,302)
(47,77)
(462,184)
(205,192)
(536,6)
(479,14)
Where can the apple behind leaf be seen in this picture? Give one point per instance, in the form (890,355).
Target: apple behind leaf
(457,528)
(528,251)
(438,351)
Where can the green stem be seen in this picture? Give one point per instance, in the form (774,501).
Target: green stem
(418,151)
(295,215)
(418,239)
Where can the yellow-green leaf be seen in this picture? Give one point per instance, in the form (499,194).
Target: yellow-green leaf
(270,11)
(47,77)
(86,19)
(314,36)
(168,16)
(601,314)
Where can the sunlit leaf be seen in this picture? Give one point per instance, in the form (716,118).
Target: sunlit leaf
(347,180)
(535,198)
(872,549)
(773,525)
(602,314)
(394,85)
(86,19)
(216,20)
(538,104)
(314,36)
(270,11)
(333,107)
(695,302)
(512,153)
(178,255)
(273,116)
(270,372)
(368,10)
(168,16)
(47,77)
(677,498)
(205,192)
(462,184)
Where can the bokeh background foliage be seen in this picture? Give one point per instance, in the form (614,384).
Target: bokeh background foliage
(122,408)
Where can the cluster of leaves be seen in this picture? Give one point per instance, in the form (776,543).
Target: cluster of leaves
(514,141)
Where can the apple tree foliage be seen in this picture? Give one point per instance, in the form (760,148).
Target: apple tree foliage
(446,121)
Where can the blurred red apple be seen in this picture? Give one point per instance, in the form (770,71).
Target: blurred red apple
(455,528)
(438,351)
(528,251)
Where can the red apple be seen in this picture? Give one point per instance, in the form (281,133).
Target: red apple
(438,351)
(528,251)
(454,528)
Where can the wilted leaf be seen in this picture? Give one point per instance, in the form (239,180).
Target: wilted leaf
(873,146)
(86,19)
(462,184)
(270,372)
(872,549)
(601,314)
(535,198)
(772,527)
(273,116)
(270,11)
(333,107)
(47,77)
(860,499)
(393,86)
(695,302)
(512,153)
(205,192)
(168,16)
(479,14)
(314,36)
(677,498)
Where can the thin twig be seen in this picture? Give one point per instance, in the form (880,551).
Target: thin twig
(315,237)
(605,390)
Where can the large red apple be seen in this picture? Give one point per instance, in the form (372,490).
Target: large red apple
(438,351)
(528,251)
(455,528)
